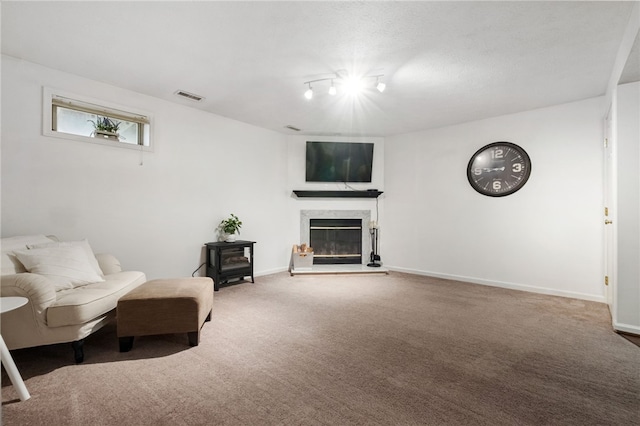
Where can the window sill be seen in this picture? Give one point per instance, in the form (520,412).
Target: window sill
(97,141)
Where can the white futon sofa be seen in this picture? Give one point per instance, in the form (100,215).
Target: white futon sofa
(71,292)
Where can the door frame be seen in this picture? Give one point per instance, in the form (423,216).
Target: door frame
(610,209)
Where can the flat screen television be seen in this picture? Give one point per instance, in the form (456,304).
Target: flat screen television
(339,161)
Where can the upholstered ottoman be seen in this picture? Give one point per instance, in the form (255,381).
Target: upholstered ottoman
(166,306)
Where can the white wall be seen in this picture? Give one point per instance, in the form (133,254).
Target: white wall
(627,312)
(296,180)
(154,217)
(547,237)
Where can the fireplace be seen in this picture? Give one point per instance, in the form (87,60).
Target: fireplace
(336,241)
(339,237)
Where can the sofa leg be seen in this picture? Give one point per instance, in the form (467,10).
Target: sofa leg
(78,350)
(126,343)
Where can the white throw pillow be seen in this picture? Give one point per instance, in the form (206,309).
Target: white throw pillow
(67,267)
(83,244)
(11,265)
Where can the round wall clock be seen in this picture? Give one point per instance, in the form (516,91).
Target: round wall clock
(499,169)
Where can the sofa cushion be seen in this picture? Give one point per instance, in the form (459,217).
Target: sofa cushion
(85,303)
(9,262)
(66,266)
(109,264)
(83,244)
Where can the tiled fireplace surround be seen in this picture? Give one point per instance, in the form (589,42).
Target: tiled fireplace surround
(364,215)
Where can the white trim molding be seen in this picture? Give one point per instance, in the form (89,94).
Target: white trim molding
(502,284)
(626,328)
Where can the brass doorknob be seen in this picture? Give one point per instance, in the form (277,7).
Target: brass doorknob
(608,222)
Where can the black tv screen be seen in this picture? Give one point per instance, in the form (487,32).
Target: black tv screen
(339,162)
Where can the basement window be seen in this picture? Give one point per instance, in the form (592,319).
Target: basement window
(75,117)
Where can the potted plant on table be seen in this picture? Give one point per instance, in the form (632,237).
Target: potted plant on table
(105,127)
(230,227)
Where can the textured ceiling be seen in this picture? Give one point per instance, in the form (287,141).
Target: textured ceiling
(444,62)
(631,72)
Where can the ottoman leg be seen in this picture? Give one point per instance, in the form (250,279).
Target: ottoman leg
(209,316)
(126,343)
(194,338)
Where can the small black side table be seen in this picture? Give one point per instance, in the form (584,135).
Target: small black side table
(228,260)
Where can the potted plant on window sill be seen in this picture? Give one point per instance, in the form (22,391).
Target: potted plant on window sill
(230,227)
(106,128)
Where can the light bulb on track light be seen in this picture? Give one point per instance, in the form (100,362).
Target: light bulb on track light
(309,93)
(332,89)
(353,85)
(380,86)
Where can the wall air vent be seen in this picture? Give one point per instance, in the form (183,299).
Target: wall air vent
(190,96)
(290,127)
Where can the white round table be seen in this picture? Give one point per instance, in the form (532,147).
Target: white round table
(9,304)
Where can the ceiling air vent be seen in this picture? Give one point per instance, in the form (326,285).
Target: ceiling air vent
(289,126)
(190,96)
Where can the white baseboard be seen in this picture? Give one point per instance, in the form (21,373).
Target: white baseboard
(269,271)
(512,286)
(626,328)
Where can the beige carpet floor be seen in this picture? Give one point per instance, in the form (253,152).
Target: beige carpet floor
(391,349)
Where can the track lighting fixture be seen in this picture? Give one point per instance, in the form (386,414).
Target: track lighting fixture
(351,85)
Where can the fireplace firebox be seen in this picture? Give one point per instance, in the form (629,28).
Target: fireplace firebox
(336,241)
